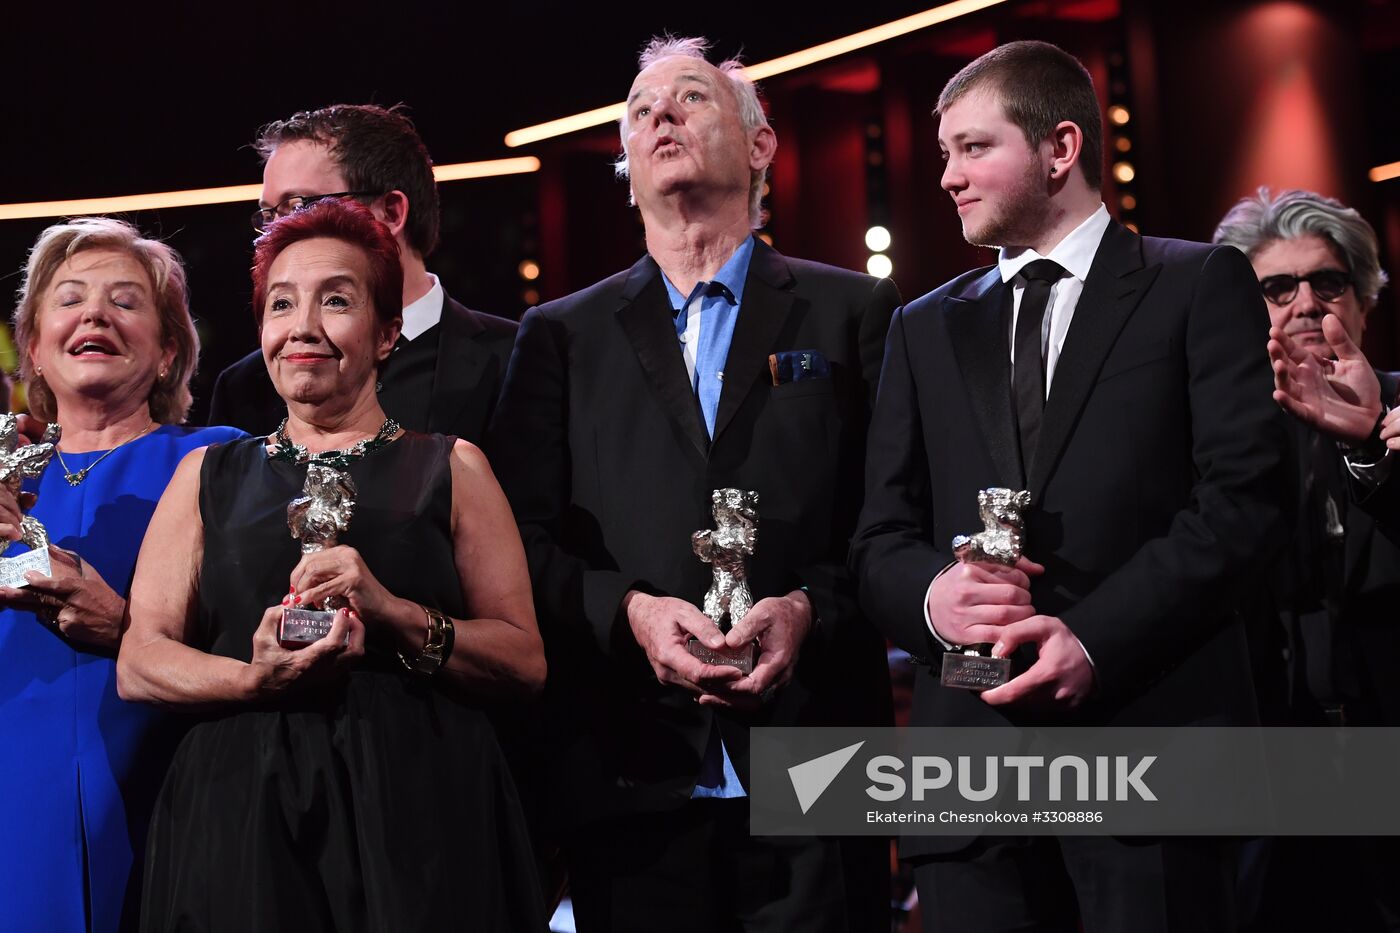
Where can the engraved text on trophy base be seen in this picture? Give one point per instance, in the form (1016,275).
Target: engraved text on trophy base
(975,672)
(13,569)
(301,627)
(742,658)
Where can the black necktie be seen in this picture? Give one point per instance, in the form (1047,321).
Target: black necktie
(1028,378)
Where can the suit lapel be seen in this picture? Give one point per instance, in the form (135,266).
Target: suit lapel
(1116,284)
(647,319)
(460,363)
(977,329)
(767,301)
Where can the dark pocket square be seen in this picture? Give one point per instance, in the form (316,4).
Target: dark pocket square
(797,365)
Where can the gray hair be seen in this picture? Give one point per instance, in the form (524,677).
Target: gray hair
(169,398)
(1262,219)
(751,115)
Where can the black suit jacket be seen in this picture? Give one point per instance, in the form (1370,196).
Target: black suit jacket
(473,351)
(1159,477)
(1383,502)
(1324,631)
(601,447)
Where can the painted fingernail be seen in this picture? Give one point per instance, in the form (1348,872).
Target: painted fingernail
(297,600)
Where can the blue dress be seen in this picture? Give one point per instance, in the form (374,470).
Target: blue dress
(79,768)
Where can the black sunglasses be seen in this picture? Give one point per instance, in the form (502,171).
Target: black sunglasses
(1326,284)
(264,216)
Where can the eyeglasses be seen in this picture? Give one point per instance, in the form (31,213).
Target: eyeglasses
(264,216)
(1326,284)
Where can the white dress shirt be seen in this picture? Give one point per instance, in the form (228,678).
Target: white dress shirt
(1075,253)
(425,312)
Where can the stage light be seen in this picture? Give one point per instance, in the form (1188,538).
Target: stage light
(1124,172)
(130,202)
(529,270)
(877,239)
(1127,202)
(195,197)
(879,266)
(1123,144)
(1385,172)
(460,171)
(774,66)
(1118,115)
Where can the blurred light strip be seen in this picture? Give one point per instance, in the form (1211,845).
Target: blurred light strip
(460,171)
(579,121)
(130,202)
(775,66)
(198,196)
(1385,172)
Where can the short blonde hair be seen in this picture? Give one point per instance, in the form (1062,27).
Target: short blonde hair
(170,397)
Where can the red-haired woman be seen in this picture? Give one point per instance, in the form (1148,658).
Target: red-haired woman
(351,784)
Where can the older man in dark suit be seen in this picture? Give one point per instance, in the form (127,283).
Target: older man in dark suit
(446,370)
(714,362)
(1323,627)
(1119,379)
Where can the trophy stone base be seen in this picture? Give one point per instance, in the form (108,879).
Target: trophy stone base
(742,658)
(973,670)
(301,627)
(13,569)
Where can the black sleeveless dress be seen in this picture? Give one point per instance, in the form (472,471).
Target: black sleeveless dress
(381,803)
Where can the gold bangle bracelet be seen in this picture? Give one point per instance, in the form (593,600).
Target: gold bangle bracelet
(437,646)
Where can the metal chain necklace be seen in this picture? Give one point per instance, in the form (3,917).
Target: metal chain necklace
(284,449)
(76,479)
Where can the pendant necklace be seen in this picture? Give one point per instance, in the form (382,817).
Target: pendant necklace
(76,478)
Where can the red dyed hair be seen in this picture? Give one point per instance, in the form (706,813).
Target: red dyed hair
(337,219)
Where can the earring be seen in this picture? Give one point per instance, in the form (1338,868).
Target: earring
(39,371)
(1052,171)
(161,377)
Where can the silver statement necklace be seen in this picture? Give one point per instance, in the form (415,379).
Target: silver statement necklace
(76,479)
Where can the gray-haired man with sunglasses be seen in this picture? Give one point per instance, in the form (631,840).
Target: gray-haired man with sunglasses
(446,370)
(1319,269)
(1323,627)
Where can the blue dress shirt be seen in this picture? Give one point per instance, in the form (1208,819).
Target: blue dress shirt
(717,302)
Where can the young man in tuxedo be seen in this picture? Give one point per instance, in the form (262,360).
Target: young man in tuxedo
(1120,380)
(714,362)
(446,371)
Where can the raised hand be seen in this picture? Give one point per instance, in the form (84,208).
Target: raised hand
(1340,397)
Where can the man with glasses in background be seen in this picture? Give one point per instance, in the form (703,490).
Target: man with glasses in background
(447,367)
(1323,627)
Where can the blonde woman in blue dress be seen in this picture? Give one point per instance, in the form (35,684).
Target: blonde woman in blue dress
(107,348)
